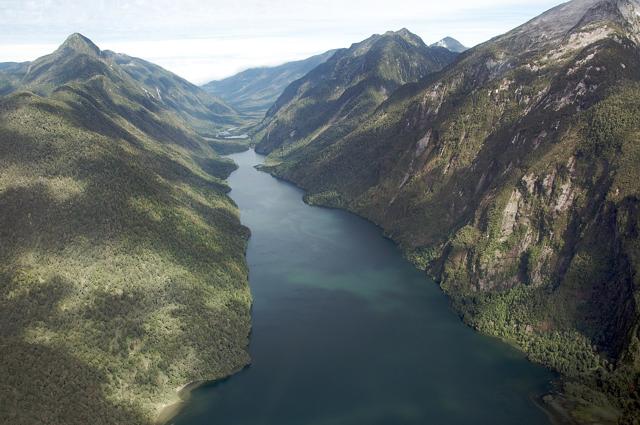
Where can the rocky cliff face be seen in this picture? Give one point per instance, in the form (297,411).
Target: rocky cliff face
(450,43)
(512,177)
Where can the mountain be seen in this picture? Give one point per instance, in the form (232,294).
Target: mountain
(10,75)
(122,270)
(335,97)
(204,112)
(254,91)
(450,43)
(512,177)
(78,58)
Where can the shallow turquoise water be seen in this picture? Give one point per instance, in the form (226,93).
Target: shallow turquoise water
(346,332)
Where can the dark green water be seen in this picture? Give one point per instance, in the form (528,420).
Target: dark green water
(346,332)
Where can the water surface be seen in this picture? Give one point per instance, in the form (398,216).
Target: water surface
(347,332)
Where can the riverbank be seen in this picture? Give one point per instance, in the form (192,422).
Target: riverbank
(345,330)
(183,395)
(552,403)
(173,408)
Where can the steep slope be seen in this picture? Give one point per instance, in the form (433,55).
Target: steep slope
(203,111)
(10,75)
(452,44)
(122,272)
(338,95)
(512,177)
(78,58)
(254,91)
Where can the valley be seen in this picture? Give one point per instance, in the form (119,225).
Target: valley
(392,232)
(501,177)
(345,330)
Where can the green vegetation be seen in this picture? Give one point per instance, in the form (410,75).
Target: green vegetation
(254,91)
(202,111)
(512,177)
(327,199)
(122,273)
(151,86)
(227,147)
(337,96)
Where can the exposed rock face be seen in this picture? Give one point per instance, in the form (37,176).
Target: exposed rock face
(509,177)
(450,43)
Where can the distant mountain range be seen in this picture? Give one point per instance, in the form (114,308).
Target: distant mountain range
(122,270)
(334,98)
(254,91)
(510,175)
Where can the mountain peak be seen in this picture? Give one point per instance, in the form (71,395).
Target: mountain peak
(625,12)
(405,34)
(451,44)
(78,43)
(570,17)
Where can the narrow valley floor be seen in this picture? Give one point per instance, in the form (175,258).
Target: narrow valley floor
(346,331)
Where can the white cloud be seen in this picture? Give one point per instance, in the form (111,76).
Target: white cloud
(202,40)
(24,52)
(201,60)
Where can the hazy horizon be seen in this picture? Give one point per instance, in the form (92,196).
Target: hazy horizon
(204,42)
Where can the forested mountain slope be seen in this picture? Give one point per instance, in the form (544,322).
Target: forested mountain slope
(512,176)
(79,58)
(339,94)
(122,271)
(254,91)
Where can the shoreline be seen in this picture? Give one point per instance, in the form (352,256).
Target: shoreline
(172,409)
(169,412)
(552,405)
(548,402)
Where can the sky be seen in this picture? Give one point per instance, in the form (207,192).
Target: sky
(203,40)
